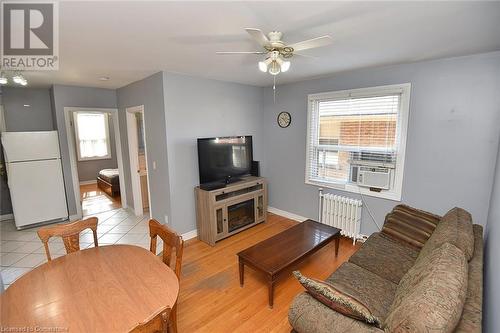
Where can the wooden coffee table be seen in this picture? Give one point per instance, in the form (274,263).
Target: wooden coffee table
(275,255)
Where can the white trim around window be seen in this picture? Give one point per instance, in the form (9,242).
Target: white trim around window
(78,139)
(396,182)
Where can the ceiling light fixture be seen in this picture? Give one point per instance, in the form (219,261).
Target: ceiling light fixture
(274,64)
(104,78)
(276,51)
(264,64)
(20,79)
(3,79)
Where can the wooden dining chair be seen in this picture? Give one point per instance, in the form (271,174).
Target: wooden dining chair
(159,324)
(171,242)
(70,234)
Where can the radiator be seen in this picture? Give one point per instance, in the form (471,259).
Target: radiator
(341,212)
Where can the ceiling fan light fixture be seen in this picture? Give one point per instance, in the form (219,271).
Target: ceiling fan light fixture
(18,78)
(3,79)
(263,66)
(275,68)
(285,66)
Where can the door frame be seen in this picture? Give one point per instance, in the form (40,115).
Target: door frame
(68,113)
(135,179)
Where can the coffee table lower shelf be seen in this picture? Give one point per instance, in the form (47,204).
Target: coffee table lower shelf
(275,255)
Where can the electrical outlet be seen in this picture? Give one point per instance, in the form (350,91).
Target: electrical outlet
(154,165)
(166,219)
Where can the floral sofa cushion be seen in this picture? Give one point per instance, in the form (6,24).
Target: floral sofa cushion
(337,300)
(307,314)
(472,314)
(455,227)
(375,292)
(385,257)
(431,295)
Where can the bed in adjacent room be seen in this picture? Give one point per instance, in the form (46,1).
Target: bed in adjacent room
(108,180)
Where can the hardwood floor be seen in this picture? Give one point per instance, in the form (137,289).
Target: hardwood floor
(95,201)
(211,299)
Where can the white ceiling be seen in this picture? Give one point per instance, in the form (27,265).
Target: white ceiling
(128,41)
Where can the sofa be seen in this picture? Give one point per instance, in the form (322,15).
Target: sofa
(420,273)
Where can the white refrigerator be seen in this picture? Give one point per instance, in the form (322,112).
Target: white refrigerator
(35,177)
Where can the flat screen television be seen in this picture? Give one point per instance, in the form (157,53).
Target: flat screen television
(224,159)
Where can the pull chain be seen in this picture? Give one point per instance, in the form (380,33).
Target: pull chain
(274,89)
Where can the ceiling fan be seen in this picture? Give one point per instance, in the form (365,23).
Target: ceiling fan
(277,52)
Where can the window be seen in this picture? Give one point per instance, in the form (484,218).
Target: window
(92,135)
(356,140)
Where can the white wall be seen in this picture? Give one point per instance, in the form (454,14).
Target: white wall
(197,108)
(452,136)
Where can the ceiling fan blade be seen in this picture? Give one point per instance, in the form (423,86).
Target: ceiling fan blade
(259,36)
(240,52)
(304,55)
(311,43)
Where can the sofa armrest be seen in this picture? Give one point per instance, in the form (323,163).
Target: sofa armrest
(409,225)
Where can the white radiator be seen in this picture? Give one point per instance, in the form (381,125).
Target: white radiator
(341,212)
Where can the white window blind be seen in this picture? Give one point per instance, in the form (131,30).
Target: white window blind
(92,135)
(347,127)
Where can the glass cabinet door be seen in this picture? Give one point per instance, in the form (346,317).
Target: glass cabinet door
(219,219)
(260,206)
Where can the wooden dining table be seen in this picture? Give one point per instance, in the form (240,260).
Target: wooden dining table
(102,289)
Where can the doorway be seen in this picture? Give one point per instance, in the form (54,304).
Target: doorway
(96,160)
(139,175)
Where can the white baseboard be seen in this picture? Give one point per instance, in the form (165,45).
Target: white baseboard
(286,214)
(190,234)
(88,182)
(6,217)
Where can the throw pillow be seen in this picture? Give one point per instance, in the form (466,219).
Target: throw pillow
(336,300)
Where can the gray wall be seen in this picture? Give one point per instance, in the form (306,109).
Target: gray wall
(452,136)
(197,108)
(37,117)
(88,170)
(492,250)
(148,92)
(69,96)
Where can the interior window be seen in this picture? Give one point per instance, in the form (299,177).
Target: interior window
(92,135)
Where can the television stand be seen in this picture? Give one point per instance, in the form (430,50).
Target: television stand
(212,186)
(223,212)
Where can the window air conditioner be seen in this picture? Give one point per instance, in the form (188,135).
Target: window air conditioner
(376,177)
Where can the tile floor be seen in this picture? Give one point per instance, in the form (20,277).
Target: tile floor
(21,251)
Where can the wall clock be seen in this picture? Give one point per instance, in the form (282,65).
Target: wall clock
(284,119)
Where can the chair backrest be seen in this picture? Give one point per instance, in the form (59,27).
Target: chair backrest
(70,234)
(171,241)
(158,324)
